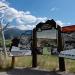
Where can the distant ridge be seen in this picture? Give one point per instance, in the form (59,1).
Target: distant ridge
(13,32)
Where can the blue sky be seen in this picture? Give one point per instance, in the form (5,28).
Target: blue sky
(62,11)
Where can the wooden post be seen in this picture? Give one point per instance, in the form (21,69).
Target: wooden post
(13,62)
(34,49)
(60,48)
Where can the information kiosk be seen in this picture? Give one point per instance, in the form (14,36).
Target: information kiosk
(47,39)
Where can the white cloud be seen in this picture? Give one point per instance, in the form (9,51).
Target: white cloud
(60,23)
(3,4)
(53,9)
(18,20)
(27,12)
(42,19)
(24,19)
(25,27)
(22,27)
(11,26)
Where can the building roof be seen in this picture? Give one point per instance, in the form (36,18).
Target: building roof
(68,29)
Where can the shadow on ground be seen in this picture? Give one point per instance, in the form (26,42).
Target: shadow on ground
(30,71)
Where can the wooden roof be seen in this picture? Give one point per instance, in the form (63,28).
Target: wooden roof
(68,29)
(46,25)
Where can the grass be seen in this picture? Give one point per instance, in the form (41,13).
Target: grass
(47,62)
(70,65)
(25,61)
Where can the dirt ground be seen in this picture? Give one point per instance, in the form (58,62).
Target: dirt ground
(32,71)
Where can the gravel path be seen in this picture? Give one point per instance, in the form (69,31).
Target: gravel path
(30,71)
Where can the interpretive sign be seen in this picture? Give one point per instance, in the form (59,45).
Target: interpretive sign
(68,54)
(47,40)
(24,47)
(68,42)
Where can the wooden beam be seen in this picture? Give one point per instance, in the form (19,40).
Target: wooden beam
(13,62)
(60,48)
(34,49)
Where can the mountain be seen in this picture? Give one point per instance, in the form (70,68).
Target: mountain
(13,32)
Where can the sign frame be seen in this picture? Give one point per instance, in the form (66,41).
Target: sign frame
(34,42)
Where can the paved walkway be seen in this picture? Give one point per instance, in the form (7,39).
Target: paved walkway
(30,71)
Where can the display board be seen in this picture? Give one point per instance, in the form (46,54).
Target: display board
(69,40)
(69,45)
(47,41)
(24,46)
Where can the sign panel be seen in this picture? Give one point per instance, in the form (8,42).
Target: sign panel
(69,45)
(24,47)
(70,54)
(46,27)
(69,40)
(47,41)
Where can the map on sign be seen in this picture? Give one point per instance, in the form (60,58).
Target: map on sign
(47,41)
(24,47)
